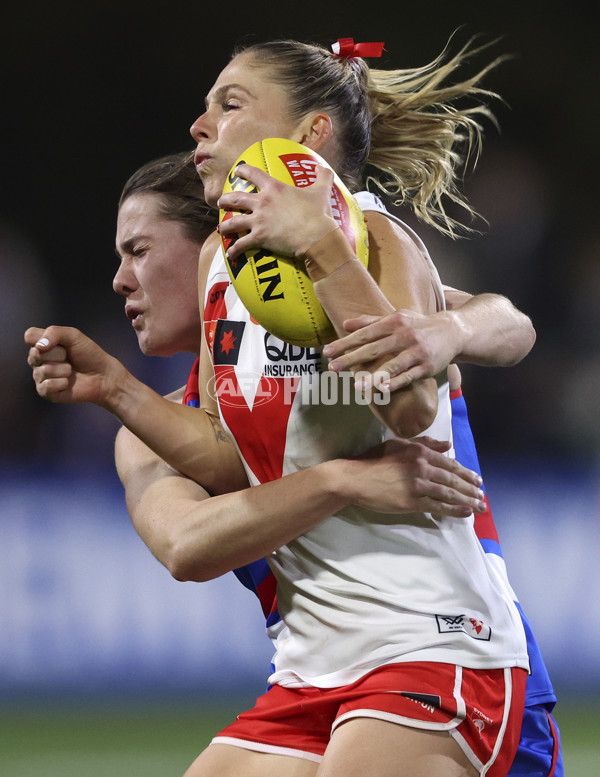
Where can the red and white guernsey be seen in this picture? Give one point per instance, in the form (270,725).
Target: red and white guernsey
(361,589)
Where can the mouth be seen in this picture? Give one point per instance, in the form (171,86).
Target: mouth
(200,160)
(135,315)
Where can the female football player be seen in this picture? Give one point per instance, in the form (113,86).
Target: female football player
(420,344)
(399,650)
(383,623)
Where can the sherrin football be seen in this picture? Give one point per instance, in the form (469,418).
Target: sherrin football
(276,290)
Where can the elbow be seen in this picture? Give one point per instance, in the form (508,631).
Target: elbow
(180,568)
(529,337)
(186,567)
(416,423)
(522,345)
(182,573)
(412,419)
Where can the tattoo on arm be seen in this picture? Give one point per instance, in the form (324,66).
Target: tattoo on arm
(219,433)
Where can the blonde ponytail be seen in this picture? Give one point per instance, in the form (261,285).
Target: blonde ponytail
(398,129)
(421,141)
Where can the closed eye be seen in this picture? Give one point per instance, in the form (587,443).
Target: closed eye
(132,247)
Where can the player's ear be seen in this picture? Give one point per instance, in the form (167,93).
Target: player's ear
(315,130)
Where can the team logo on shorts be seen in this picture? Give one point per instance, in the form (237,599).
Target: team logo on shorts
(472,627)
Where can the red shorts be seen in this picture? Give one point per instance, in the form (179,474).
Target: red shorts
(481,708)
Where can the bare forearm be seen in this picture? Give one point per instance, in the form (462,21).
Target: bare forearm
(342,284)
(236,529)
(187,438)
(198,537)
(69,367)
(490,330)
(346,289)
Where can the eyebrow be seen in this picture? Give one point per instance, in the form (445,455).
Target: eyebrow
(220,93)
(127,245)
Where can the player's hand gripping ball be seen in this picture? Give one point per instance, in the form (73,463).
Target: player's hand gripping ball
(276,290)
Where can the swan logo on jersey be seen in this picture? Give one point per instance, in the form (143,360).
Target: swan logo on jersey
(472,627)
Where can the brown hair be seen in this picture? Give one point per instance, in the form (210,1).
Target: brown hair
(175,179)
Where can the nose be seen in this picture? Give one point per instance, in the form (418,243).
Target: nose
(124,282)
(200,129)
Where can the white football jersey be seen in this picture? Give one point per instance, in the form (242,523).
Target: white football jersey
(361,589)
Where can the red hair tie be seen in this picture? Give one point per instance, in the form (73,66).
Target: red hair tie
(346,47)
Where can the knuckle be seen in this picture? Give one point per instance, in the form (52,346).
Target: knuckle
(420,350)
(391,366)
(410,453)
(418,487)
(454,465)
(422,465)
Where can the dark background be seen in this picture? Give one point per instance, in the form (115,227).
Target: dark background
(92,90)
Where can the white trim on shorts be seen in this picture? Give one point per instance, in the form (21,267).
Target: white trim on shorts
(398,719)
(482,769)
(261,747)
(426,725)
(507,706)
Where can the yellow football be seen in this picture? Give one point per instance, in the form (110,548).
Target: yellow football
(276,290)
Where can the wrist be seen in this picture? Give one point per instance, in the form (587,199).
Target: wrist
(341,477)
(327,254)
(121,390)
(313,232)
(461,332)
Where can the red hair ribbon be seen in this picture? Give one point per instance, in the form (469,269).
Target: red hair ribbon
(346,47)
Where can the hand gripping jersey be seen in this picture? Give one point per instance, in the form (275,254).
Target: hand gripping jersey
(361,589)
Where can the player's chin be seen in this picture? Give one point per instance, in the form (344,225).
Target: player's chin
(146,344)
(213,187)
(153,347)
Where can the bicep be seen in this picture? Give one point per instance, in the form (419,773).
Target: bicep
(160,514)
(399,268)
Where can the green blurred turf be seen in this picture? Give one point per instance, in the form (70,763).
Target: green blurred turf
(580,732)
(152,739)
(160,739)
